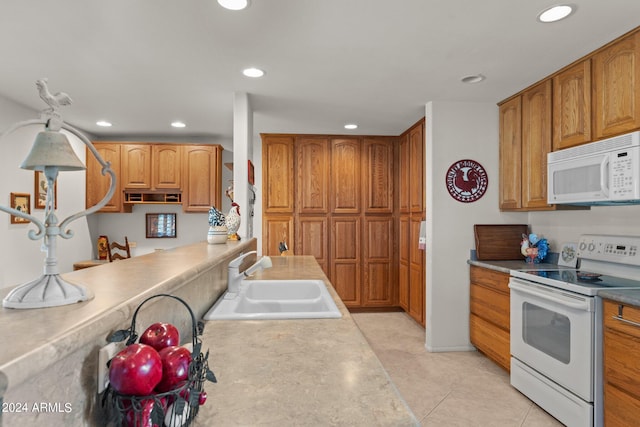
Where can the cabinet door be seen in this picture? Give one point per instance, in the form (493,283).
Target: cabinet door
(377,177)
(277,173)
(536,143)
(98,184)
(166,160)
(572,106)
(312,184)
(202,177)
(379,280)
(345,259)
(416,161)
(345,176)
(276,229)
(312,239)
(616,87)
(510,154)
(403,278)
(404,172)
(416,273)
(136,166)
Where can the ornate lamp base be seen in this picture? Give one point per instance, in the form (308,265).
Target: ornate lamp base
(49,290)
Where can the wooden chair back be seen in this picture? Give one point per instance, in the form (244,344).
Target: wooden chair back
(118,251)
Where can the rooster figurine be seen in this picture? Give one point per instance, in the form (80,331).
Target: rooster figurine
(232,221)
(54,101)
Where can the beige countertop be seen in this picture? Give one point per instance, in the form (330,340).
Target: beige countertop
(32,340)
(297,372)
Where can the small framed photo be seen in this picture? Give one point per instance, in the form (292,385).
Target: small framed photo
(21,202)
(40,191)
(161,225)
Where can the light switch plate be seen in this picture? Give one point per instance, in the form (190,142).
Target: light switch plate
(105,354)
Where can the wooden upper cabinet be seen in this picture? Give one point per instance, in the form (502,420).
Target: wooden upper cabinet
(378,175)
(536,143)
(166,163)
(277,172)
(136,166)
(616,87)
(510,153)
(404,172)
(312,166)
(572,106)
(345,176)
(202,177)
(416,161)
(98,184)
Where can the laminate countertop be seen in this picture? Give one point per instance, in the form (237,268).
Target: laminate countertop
(297,372)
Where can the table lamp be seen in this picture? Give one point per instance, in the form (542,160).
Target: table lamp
(52,153)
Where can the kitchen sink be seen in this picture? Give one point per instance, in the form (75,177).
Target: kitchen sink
(276,299)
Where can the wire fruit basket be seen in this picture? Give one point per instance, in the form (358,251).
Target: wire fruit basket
(174,408)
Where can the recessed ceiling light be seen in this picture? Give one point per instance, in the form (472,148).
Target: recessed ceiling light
(103,123)
(474,78)
(556,13)
(178,125)
(351,126)
(253,72)
(234,4)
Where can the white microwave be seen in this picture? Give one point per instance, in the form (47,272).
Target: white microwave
(605,172)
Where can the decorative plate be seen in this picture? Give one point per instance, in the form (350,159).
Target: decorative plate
(568,255)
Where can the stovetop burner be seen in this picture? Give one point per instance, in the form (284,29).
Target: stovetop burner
(579,281)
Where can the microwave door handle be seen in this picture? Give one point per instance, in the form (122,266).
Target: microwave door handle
(604,176)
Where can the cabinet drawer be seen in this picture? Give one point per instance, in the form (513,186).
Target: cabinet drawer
(629,312)
(490,305)
(495,280)
(490,340)
(620,409)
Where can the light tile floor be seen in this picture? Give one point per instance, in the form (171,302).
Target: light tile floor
(446,389)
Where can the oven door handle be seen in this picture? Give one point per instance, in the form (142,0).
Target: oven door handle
(576,302)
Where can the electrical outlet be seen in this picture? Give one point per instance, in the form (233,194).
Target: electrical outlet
(132,244)
(105,354)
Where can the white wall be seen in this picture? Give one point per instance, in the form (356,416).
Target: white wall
(21,259)
(456,131)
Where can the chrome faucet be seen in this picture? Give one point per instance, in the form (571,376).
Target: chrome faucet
(234,275)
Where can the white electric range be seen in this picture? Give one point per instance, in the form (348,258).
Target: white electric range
(556,327)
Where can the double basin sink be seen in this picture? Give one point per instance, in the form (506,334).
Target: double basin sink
(276,299)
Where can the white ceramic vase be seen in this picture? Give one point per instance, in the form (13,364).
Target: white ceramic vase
(217,234)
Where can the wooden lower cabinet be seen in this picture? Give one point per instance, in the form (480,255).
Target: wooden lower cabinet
(621,369)
(345,259)
(489,324)
(378,262)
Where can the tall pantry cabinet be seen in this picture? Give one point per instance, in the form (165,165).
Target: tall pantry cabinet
(411,280)
(332,197)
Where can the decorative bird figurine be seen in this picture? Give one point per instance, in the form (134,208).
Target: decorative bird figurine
(232,221)
(216,218)
(55,100)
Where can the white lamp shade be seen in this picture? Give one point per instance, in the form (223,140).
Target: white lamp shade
(52,149)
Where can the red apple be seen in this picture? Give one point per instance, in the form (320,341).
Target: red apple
(175,367)
(143,417)
(160,335)
(135,370)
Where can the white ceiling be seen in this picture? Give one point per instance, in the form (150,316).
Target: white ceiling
(144,63)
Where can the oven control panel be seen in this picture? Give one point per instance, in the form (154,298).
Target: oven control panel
(620,249)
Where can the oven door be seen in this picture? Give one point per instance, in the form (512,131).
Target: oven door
(552,332)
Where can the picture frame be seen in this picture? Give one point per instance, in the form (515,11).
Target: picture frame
(252,174)
(568,256)
(40,191)
(21,202)
(161,225)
